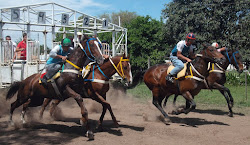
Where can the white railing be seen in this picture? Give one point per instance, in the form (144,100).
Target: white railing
(105,49)
(34,51)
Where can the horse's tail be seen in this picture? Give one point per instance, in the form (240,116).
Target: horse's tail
(136,79)
(13,89)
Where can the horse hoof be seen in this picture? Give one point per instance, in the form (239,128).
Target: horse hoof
(116,125)
(230,114)
(173,112)
(11,123)
(90,135)
(100,128)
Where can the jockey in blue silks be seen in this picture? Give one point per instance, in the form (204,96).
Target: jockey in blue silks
(56,57)
(181,53)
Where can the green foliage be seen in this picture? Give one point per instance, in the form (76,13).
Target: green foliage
(204,97)
(224,21)
(145,41)
(233,78)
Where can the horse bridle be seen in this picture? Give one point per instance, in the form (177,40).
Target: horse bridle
(89,48)
(119,64)
(233,57)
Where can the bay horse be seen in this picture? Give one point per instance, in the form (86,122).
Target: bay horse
(29,90)
(97,84)
(217,77)
(187,86)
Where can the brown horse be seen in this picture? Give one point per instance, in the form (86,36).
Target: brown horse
(188,87)
(97,84)
(29,90)
(217,76)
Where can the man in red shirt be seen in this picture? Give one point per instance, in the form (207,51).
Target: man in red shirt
(21,47)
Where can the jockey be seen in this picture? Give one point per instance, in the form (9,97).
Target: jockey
(57,55)
(180,54)
(216,45)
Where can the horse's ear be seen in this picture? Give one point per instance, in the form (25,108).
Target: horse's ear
(84,36)
(205,45)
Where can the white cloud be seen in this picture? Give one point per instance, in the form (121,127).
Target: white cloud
(80,5)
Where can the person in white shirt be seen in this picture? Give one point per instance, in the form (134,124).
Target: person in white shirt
(8,38)
(182,52)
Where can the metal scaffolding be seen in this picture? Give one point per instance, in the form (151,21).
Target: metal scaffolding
(47,19)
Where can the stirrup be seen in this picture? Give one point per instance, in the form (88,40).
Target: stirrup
(170,78)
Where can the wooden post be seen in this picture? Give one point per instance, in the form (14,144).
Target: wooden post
(148,62)
(246,73)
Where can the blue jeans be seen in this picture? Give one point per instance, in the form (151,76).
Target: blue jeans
(178,65)
(52,69)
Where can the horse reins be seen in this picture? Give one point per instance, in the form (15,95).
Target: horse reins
(116,68)
(221,69)
(119,64)
(202,79)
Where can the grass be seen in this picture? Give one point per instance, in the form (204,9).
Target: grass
(205,97)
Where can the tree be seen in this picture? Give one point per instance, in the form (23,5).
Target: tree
(145,42)
(223,21)
(125,17)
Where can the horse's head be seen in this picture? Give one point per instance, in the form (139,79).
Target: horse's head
(91,48)
(125,70)
(234,58)
(212,55)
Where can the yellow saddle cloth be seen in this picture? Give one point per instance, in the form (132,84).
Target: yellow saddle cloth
(181,73)
(57,75)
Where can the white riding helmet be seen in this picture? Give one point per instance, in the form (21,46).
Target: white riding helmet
(215,44)
(79,33)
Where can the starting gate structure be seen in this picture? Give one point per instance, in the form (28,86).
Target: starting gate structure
(47,19)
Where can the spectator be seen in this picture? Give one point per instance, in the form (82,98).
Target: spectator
(21,47)
(8,38)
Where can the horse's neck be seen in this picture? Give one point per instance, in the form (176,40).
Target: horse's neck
(108,69)
(77,57)
(201,66)
(226,64)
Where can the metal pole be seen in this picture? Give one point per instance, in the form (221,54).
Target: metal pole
(113,43)
(126,42)
(45,44)
(53,36)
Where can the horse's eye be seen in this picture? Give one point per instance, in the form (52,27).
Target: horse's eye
(125,67)
(211,50)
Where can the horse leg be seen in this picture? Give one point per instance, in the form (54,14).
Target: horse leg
(226,93)
(84,111)
(53,106)
(189,101)
(25,107)
(157,98)
(45,104)
(15,105)
(105,106)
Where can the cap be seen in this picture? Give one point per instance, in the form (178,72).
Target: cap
(66,42)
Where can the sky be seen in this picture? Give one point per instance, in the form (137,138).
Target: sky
(96,8)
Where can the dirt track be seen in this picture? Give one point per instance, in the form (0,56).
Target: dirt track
(139,125)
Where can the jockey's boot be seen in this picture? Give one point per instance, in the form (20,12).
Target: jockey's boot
(170,78)
(44,80)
